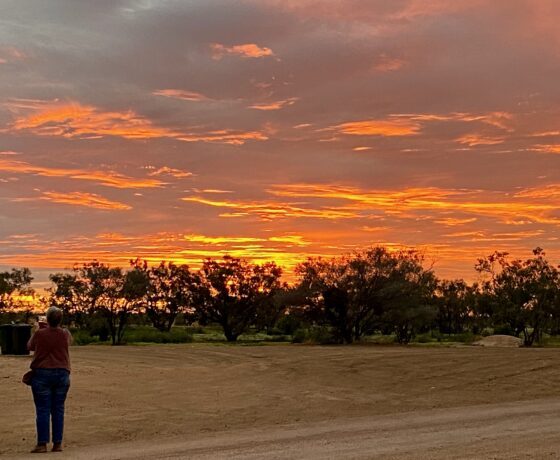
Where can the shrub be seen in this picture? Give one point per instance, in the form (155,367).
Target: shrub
(321,335)
(83,337)
(289,324)
(98,327)
(504,329)
(299,336)
(424,338)
(152,335)
(466,337)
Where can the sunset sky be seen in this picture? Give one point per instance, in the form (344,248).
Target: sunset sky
(277,129)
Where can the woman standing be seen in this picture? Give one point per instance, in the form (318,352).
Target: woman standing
(51,379)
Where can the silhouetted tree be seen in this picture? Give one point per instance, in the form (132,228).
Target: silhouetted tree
(456,302)
(69,294)
(171,289)
(409,297)
(524,293)
(359,293)
(235,290)
(273,307)
(98,289)
(12,283)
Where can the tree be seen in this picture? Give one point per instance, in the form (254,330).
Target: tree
(98,289)
(68,293)
(360,292)
(171,289)
(409,295)
(234,290)
(273,307)
(524,292)
(456,306)
(12,283)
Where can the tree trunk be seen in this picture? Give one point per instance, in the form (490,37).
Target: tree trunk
(123,317)
(170,321)
(231,336)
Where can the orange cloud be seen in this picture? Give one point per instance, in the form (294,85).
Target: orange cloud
(276,105)
(361,149)
(546,134)
(181,94)
(408,124)
(225,136)
(547,148)
(166,170)
(213,190)
(221,239)
(272,210)
(73,120)
(88,200)
(401,203)
(452,221)
(106,178)
(472,140)
(547,192)
(291,240)
(388,127)
(247,50)
(490,236)
(388,64)
(501,120)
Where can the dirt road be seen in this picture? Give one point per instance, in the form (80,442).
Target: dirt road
(214,402)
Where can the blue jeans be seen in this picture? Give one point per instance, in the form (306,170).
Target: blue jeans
(50,387)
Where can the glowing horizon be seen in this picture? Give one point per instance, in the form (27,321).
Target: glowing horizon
(277,130)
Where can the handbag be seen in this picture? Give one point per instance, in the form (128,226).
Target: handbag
(27,377)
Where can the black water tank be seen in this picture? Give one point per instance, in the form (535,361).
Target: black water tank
(6,339)
(21,333)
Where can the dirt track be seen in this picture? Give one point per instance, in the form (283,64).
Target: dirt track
(200,401)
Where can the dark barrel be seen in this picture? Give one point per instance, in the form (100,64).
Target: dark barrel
(21,333)
(6,339)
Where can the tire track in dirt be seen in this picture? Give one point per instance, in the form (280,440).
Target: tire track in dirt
(513,430)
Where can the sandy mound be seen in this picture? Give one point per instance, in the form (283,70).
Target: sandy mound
(500,341)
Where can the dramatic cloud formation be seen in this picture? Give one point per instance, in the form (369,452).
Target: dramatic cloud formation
(396,127)
(89,200)
(106,178)
(248,50)
(272,210)
(275,105)
(71,119)
(181,94)
(277,129)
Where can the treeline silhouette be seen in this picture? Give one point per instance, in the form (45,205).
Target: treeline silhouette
(340,300)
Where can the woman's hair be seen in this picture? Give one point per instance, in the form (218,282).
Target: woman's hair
(54,316)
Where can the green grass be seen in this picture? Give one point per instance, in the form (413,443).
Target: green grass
(213,334)
(148,334)
(81,337)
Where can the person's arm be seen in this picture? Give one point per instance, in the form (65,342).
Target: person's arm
(68,336)
(32,343)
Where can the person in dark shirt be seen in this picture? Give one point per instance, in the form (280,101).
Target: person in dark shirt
(51,379)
